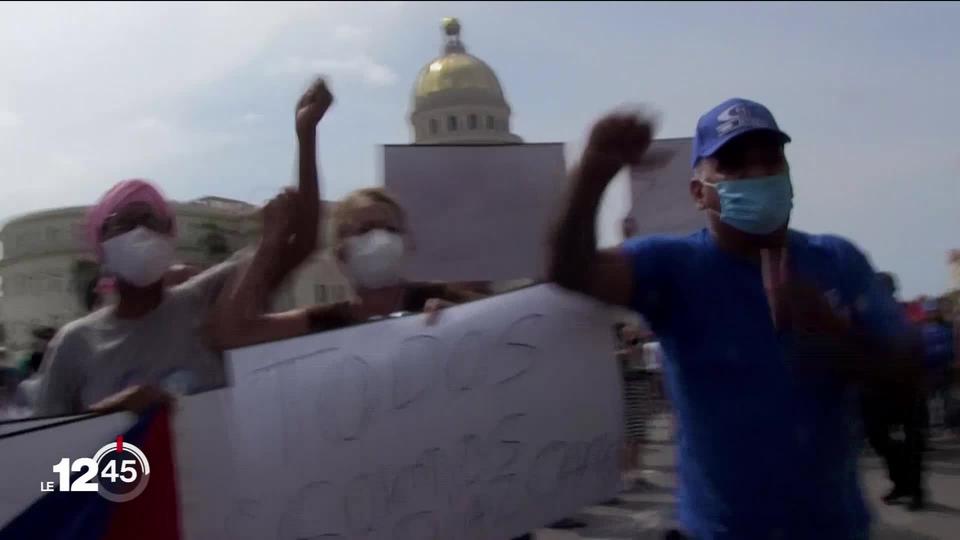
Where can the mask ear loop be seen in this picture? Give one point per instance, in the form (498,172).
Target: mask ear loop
(705,208)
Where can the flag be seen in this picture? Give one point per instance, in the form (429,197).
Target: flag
(153,515)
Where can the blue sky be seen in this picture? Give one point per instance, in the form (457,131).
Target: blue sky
(199,97)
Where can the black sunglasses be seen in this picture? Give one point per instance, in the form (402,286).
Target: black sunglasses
(123,222)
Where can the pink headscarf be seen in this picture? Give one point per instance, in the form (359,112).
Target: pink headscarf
(120,195)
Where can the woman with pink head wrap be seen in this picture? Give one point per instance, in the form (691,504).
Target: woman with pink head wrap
(129,205)
(135,221)
(157,339)
(119,196)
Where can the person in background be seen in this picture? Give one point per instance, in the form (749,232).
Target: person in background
(371,244)
(766,331)
(636,393)
(951,311)
(27,388)
(888,405)
(953,416)
(41,339)
(155,340)
(939,359)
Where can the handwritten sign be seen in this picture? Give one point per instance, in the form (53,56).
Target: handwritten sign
(500,419)
(504,416)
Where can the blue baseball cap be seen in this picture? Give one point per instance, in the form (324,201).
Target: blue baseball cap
(729,120)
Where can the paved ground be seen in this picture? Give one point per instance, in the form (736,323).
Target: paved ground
(647,513)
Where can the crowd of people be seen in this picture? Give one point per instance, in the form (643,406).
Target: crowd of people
(769,339)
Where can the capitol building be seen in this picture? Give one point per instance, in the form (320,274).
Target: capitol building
(457,98)
(47,267)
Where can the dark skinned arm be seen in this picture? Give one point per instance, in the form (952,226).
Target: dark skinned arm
(574,261)
(857,355)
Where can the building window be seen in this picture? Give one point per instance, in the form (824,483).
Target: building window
(490,124)
(472,121)
(451,123)
(434,126)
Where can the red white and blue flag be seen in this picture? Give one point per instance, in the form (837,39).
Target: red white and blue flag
(153,515)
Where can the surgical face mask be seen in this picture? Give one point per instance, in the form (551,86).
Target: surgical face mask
(755,205)
(375,259)
(140,257)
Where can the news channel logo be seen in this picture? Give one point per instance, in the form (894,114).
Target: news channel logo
(119,472)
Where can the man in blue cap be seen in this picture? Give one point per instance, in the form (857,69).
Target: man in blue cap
(767,331)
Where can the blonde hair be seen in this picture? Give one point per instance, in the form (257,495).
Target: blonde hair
(360,198)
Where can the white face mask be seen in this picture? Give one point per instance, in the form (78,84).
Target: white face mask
(375,260)
(140,257)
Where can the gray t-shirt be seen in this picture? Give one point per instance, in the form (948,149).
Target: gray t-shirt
(99,355)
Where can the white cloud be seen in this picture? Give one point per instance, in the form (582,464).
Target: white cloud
(359,66)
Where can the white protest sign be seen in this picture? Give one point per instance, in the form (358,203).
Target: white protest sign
(503,417)
(661,202)
(476,213)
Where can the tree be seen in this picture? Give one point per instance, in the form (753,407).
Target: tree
(214,243)
(83,278)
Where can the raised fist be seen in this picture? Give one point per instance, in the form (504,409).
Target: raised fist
(622,137)
(312,106)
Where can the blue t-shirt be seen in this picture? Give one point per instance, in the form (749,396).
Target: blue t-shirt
(767,442)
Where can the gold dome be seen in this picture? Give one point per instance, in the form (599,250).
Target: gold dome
(456,71)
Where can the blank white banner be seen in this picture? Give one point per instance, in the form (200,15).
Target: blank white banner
(661,194)
(476,213)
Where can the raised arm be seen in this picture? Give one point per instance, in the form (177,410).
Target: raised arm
(575,262)
(239,317)
(304,236)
